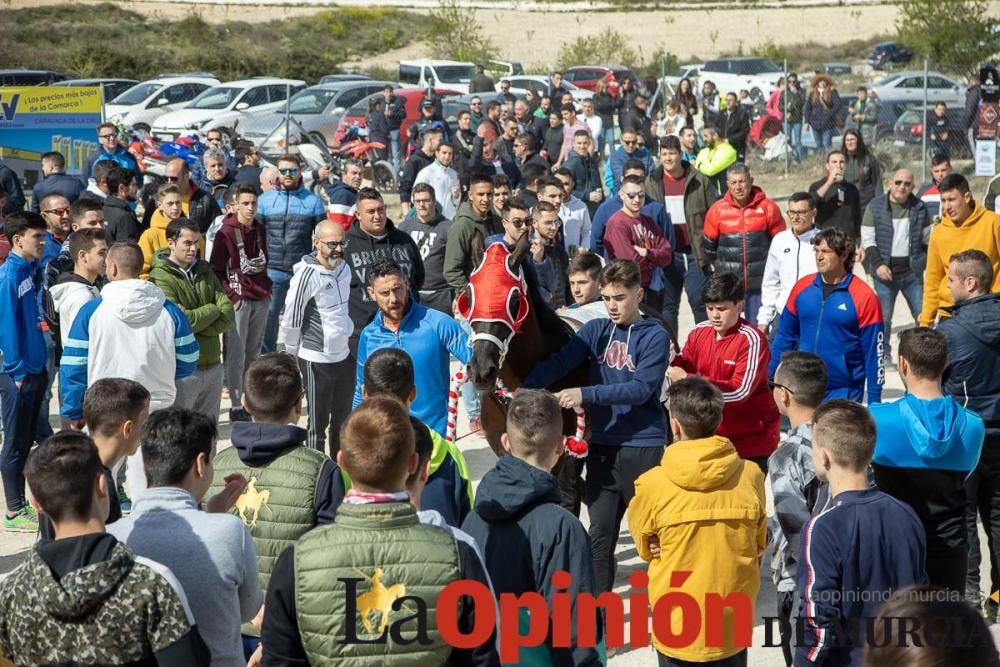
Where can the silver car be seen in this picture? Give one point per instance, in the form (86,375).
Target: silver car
(910,86)
(317,109)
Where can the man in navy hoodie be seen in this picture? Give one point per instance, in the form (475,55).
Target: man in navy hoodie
(627,359)
(526,537)
(854,554)
(927,446)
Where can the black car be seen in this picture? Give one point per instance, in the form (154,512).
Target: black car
(29,77)
(889,53)
(909,129)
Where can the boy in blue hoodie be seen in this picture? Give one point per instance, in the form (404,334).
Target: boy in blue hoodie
(927,447)
(627,358)
(854,554)
(24,355)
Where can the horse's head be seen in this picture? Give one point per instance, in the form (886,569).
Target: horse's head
(496,304)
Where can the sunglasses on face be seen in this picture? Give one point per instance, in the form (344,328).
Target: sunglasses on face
(630,143)
(333,245)
(634,195)
(288,171)
(520,222)
(771,384)
(57,211)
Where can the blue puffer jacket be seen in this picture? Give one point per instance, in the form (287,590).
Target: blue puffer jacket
(289,217)
(121,157)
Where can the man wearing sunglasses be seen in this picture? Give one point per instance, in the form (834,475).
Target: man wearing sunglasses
(630,234)
(290,213)
(894,234)
(316,327)
(55,181)
(111,149)
(629,150)
(58,221)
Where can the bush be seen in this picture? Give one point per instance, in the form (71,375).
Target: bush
(609,46)
(958,35)
(454,34)
(106,40)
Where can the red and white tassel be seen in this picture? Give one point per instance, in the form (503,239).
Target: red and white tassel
(574,445)
(451,430)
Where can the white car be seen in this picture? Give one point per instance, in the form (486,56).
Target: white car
(731,75)
(144,102)
(910,86)
(692,72)
(226,106)
(540,84)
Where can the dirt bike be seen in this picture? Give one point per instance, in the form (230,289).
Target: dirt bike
(380,172)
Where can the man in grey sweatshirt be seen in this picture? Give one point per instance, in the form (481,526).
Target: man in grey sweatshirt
(211,553)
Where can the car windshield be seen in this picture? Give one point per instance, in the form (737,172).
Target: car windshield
(219,97)
(311,101)
(137,93)
(453,73)
(757,66)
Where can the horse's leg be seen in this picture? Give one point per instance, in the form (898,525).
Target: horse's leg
(494,423)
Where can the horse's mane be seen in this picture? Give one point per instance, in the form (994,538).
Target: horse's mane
(547,318)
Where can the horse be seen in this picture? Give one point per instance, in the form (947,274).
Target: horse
(252,500)
(378,599)
(513,330)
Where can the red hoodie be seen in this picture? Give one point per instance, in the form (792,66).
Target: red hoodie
(225,260)
(737,364)
(624,232)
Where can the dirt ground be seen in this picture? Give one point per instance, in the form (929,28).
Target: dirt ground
(534,38)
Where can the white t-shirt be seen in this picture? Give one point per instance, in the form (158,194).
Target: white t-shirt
(901,236)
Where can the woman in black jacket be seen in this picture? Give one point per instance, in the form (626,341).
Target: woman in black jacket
(553,140)
(687,101)
(605,106)
(378,127)
(862,167)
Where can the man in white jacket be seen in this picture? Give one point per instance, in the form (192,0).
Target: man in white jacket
(89,250)
(440,176)
(574,214)
(791,256)
(316,326)
(130,331)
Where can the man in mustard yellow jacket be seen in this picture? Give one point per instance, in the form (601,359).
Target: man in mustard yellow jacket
(702,511)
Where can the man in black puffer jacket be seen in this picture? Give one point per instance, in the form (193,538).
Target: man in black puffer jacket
(199,207)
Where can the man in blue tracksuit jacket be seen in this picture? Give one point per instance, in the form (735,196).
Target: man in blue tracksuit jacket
(927,447)
(24,355)
(626,356)
(855,553)
(290,213)
(836,315)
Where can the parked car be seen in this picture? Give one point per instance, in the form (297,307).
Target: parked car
(437,73)
(731,75)
(540,85)
(836,68)
(317,109)
(338,78)
(910,86)
(227,105)
(29,77)
(355,116)
(501,69)
(144,102)
(889,53)
(111,88)
(587,76)
(692,72)
(909,129)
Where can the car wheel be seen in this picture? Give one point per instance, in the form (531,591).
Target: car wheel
(384,177)
(142,127)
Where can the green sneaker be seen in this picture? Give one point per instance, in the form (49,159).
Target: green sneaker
(20,523)
(31,512)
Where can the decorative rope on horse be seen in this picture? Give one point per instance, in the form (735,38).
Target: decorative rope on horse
(575,445)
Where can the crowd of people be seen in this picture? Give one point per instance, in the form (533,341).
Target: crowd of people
(239,281)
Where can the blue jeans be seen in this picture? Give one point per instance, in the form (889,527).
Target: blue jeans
(15,450)
(683,274)
(280,281)
(751,304)
(824,140)
(471,397)
(394,143)
(608,139)
(912,288)
(794,133)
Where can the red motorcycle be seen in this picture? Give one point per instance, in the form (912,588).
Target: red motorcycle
(377,170)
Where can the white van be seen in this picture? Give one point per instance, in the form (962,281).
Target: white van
(436,74)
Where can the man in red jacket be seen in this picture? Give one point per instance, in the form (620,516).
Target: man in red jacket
(732,354)
(632,235)
(738,232)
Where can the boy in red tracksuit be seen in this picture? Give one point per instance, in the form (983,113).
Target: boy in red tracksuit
(733,355)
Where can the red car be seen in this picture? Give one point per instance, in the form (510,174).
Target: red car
(587,76)
(357,113)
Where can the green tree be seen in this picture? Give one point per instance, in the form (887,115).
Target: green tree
(608,46)
(455,34)
(959,35)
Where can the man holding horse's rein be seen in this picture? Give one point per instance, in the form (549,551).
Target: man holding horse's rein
(628,426)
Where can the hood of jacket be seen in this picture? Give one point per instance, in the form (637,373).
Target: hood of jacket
(158,221)
(701,465)
(513,487)
(133,301)
(979,317)
(162,262)
(93,567)
(756,197)
(257,443)
(68,284)
(933,426)
(977,214)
